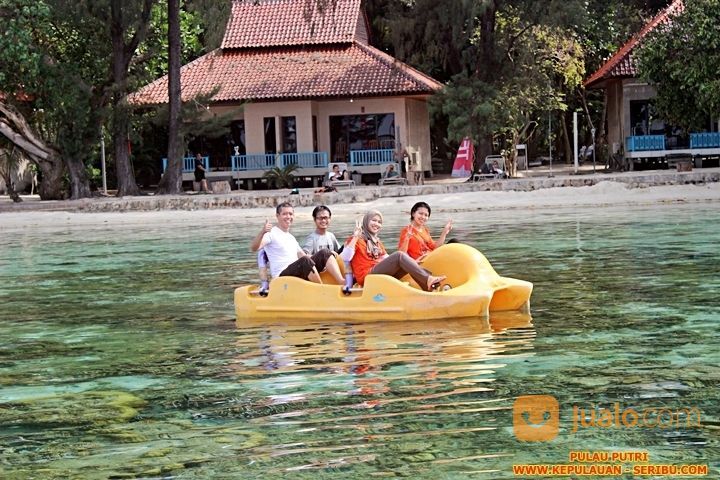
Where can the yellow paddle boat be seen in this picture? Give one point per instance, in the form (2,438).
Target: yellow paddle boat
(472,289)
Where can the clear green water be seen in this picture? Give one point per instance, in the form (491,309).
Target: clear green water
(120,358)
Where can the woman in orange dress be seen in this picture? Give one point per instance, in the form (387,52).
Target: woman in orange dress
(367,255)
(415,239)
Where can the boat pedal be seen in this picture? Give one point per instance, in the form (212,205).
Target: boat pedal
(446,287)
(262,293)
(349,291)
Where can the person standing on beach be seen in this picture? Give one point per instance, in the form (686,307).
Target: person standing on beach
(200,173)
(284,254)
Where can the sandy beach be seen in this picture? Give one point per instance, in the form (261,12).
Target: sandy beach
(604,194)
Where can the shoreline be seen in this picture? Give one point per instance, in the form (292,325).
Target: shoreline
(603,189)
(507,206)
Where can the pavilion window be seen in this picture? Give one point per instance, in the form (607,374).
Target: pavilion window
(237,137)
(314,133)
(269,129)
(363,132)
(289,134)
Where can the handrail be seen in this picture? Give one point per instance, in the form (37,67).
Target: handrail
(188,164)
(638,143)
(304,159)
(255,161)
(372,157)
(705,140)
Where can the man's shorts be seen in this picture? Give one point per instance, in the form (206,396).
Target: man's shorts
(302,267)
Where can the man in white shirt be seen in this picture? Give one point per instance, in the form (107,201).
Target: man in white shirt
(285,255)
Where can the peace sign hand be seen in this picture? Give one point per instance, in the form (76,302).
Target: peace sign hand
(358,228)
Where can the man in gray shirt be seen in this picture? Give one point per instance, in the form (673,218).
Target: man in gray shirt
(321,238)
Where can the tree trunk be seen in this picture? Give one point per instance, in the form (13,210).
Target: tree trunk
(121,55)
(569,158)
(484,149)
(79,182)
(6,172)
(50,186)
(11,190)
(486,67)
(123,168)
(16,129)
(511,166)
(171,181)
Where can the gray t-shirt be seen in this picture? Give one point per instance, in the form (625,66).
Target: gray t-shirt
(316,242)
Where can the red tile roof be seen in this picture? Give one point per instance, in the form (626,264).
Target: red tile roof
(284,23)
(622,63)
(341,71)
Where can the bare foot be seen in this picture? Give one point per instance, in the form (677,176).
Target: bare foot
(433,282)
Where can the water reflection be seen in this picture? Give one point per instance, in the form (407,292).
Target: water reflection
(372,388)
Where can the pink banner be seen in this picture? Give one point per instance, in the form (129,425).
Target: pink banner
(463,165)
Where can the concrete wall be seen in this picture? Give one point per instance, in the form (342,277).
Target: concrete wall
(256,112)
(418,130)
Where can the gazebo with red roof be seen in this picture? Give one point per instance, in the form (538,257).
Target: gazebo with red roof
(305,86)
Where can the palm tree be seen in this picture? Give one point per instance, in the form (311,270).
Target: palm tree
(281,177)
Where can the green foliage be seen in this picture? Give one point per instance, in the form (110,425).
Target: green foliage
(56,55)
(506,64)
(433,36)
(212,15)
(541,63)
(197,122)
(155,50)
(51,55)
(281,177)
(682,60)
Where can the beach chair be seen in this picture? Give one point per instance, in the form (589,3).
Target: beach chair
(488,167)
(337,183)
(385,175)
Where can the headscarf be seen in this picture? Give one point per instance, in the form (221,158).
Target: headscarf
(372,242)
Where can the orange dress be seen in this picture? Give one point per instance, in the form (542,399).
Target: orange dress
(420,242)
(362,262)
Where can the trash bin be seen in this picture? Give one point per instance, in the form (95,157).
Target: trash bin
(357,178)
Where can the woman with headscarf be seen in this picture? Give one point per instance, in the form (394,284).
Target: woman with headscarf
(367,255)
